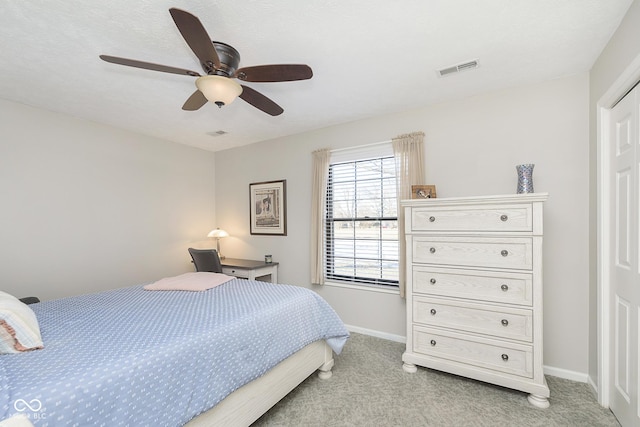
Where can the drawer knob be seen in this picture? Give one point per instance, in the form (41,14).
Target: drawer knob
(504,322)
(432,250)
(433,342)
(504,252)
(432,218)
(505,357)
(433,311)
(504,288)
(433,281)
(503,218)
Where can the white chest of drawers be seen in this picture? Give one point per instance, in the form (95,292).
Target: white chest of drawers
(474,289)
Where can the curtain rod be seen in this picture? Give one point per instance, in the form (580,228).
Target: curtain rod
(360,146)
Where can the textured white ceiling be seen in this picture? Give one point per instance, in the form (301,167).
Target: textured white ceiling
(369,57)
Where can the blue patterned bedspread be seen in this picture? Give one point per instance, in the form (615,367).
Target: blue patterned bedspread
(158,358)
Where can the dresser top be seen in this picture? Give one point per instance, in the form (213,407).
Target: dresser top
(479,200)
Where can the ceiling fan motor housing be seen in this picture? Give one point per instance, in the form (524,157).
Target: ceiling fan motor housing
(229,59)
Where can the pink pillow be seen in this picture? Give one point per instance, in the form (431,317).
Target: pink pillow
(199,281)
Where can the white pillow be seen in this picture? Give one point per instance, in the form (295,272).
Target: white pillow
(19,330)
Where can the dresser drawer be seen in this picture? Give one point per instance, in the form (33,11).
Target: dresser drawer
(515,253)
(503,287)
(501,322)
(484,218)
(511,358)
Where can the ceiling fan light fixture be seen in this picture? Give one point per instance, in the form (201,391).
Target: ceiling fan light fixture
(218,89)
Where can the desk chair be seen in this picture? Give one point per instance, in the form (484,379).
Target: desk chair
(206,260)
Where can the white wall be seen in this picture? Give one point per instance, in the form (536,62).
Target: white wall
(86,207)
(471,148)
(620,52)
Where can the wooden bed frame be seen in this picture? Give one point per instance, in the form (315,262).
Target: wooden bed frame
(249,402)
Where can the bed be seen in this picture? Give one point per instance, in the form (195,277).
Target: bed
(132,356)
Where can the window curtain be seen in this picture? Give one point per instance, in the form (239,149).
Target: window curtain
(408,153)
(320,169)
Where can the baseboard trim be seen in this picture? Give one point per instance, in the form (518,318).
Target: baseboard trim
(593,385)
(566,374)
(377,334)
(548,370)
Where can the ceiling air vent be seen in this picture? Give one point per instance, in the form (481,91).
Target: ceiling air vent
(217,133)
(469,65)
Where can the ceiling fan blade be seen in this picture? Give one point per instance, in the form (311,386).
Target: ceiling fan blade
(195,101)
(274,73)
(260,101)
(197,38)
(148,65)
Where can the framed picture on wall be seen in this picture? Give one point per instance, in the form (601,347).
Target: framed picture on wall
(423,191)
(268,208)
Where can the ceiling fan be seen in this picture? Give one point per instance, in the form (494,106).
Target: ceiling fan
(220,64)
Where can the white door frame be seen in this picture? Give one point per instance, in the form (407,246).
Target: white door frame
(623,83)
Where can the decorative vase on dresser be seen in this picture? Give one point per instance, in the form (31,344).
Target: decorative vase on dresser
(474,289)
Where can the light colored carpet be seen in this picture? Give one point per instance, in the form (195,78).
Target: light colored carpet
(369,388)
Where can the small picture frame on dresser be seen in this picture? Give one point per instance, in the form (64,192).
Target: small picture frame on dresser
(423,191)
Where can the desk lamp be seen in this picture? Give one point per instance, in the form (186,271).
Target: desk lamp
(218,234)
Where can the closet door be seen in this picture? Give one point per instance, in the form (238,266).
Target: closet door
(624,265)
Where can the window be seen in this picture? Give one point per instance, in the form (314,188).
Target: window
(362,222)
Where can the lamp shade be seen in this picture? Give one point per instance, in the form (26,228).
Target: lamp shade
(218,89)
(218,234)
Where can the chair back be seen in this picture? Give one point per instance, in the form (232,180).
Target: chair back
(206,260)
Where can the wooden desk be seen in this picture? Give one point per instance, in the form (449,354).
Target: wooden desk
(250,269)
